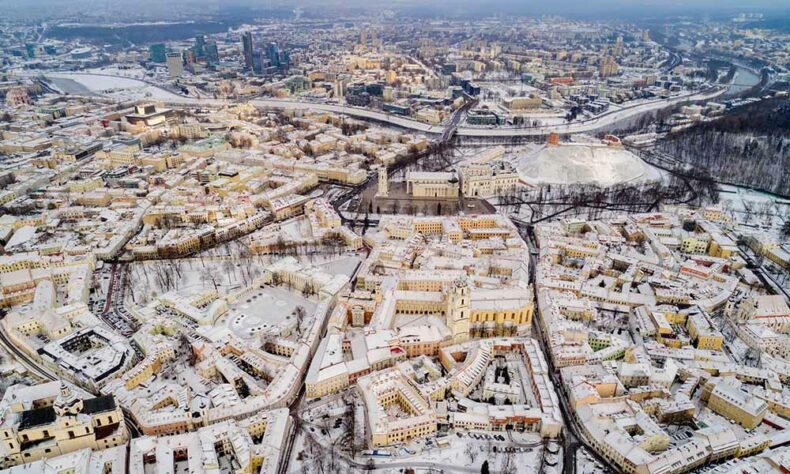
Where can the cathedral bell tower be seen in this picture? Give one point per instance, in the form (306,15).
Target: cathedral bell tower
(458,303)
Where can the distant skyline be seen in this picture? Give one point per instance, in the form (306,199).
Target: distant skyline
(597,9)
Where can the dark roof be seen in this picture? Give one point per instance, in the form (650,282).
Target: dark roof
(37,417)
(98,404)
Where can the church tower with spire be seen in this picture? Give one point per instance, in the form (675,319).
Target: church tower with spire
(458,310)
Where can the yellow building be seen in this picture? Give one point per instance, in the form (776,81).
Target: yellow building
(725,397)
(396,412)
(48,420)
(704,335)
(440,185)
(694,245)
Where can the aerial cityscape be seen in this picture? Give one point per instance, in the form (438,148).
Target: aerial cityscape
(243,237)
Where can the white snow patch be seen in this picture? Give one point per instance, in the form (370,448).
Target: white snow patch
(584,164)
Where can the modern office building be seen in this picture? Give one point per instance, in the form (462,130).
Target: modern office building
(273,54)
(156,53)
(246,40)
(212,53)
(200,46)
(175,64)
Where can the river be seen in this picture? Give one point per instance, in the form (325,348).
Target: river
(743,80)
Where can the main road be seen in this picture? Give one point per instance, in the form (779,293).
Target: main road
(601,122)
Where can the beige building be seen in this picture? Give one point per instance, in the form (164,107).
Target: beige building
(51,419)
(175,64)
(487,180)
(440,185)
(396,411)
(725,397)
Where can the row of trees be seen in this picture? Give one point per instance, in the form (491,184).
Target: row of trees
(542,202)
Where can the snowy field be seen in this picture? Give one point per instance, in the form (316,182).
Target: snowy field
(116,87)
(464,455)
(322,445)
(188,276)
(133,71)
(755,208)
(264,309)
(584,164)
(586,463)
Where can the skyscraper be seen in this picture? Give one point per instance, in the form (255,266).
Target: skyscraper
(618,46)
(175,64)
(212,53)
(156,53)
(200,46)
(273,53)
(285,59)
(246,41)
(189,57)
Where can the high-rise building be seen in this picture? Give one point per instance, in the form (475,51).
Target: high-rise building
(189,57)
(175,64)
(285,59)
(246,41)
(200,46)
(258,62)
(156,53)
(273,53)
(618,46)
(608,67)
(212,53)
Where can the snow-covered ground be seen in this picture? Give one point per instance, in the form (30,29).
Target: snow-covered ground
(584,164)
(755,208)
(116,87)
(586,463)
(188,276)
(132,71)
(263,309)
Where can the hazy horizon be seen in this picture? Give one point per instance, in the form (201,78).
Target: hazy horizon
(600,9)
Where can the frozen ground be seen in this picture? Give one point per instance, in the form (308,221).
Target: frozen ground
(464,455)
(134,72)
(586,463)
(584,164)
(755,208)
(188,276)
(121,88)
(263,309)
(341,266)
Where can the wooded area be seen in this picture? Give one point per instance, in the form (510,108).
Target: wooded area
(750,147)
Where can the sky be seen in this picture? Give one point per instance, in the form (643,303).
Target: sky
(593,9)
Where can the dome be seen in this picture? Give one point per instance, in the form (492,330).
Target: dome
(67,402)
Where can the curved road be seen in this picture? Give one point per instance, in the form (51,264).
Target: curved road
(601,122)
(597,123)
